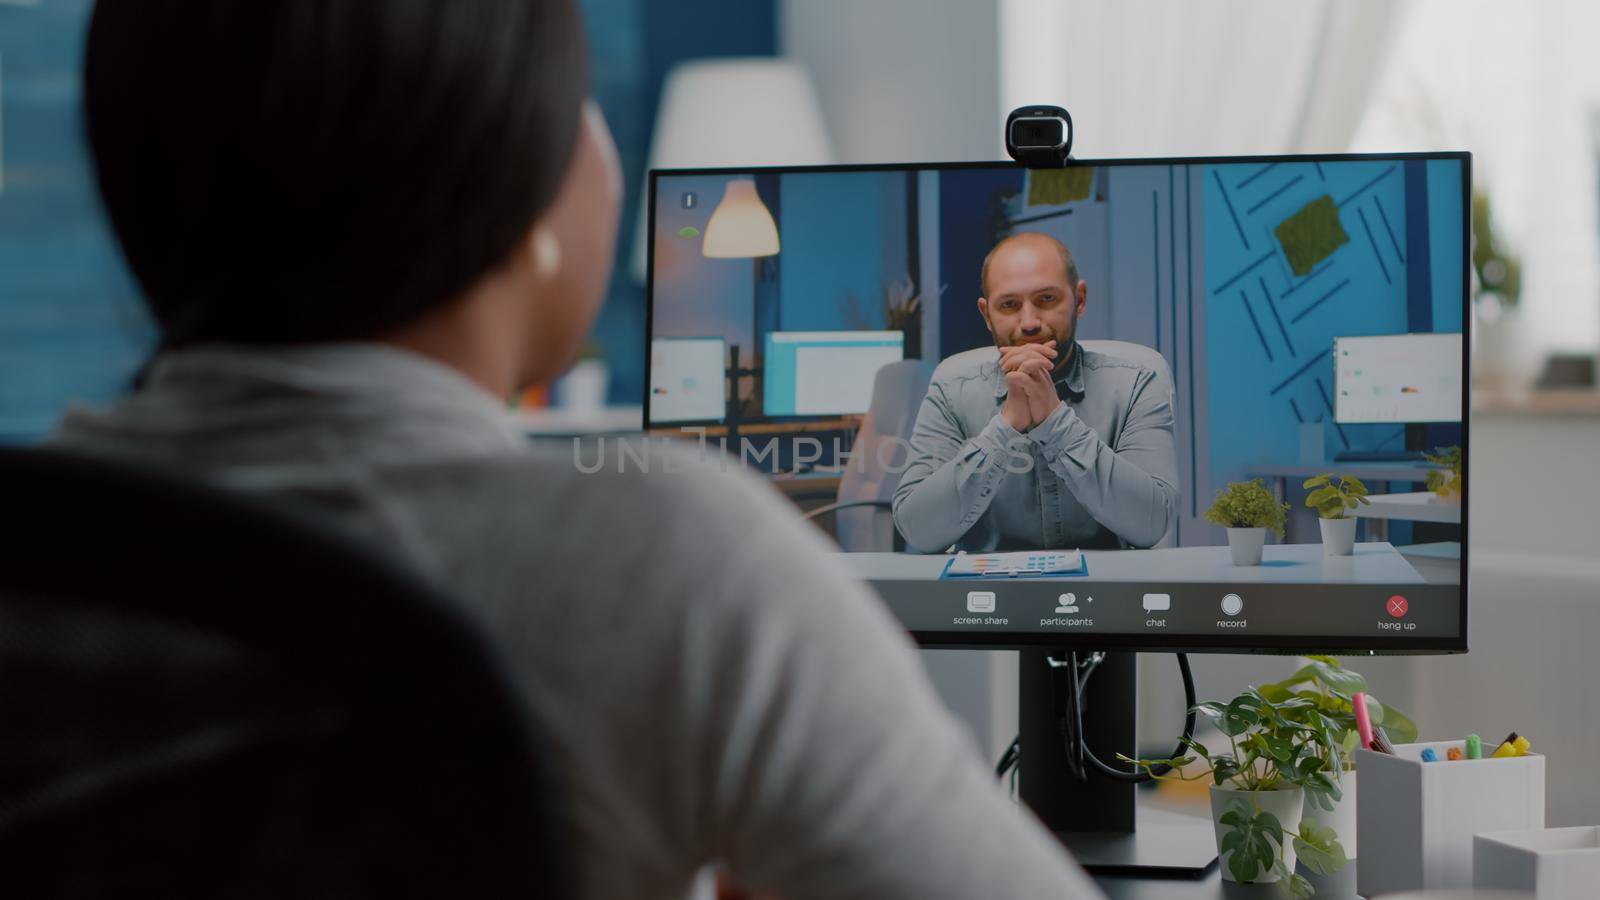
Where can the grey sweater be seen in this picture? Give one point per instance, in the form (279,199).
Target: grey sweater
(715,685)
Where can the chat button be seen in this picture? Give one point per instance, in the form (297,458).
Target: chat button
(1157,602)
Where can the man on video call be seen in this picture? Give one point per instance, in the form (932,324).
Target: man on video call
(1036,443)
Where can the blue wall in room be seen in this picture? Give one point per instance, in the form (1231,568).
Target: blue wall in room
(844,240)
(71,324)
(632,45)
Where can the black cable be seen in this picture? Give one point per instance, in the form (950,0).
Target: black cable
(1009,758)
(1072,724)
(1138,776)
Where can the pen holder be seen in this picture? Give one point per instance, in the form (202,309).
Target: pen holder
(1416,820)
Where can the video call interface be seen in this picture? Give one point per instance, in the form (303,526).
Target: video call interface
(1010,396)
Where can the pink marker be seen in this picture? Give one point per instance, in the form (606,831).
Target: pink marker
(1358,702)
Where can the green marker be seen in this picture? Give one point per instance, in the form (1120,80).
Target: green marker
(1474,747)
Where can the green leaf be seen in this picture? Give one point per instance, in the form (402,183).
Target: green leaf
(1269,823)
(1276,693)
(1248,843)
(1318,849)
(1223,768)
(1315,481)
(1291,884)
(1237,813)
(1350,740)
(1401,730)
(1237,718)
(1279,748)
(1336,677)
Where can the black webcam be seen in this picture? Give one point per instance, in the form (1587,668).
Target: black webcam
(1039,137)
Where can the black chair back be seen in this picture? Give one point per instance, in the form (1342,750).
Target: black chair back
(203,694)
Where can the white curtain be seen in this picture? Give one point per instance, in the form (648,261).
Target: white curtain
(1163,78)
(1519,86)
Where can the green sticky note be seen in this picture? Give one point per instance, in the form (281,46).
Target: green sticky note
(1049,187)
(1311,235)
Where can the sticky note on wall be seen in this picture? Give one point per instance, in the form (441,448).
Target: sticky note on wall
(1311,235)
(1050,187)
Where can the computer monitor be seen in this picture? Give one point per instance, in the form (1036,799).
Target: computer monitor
(688,381)
(1216,321)
(1397,378)
(811,373)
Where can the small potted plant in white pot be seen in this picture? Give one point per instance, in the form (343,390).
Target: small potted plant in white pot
(1332,496)
(1277,757)
(1445,481)
(1247,509)
(1330,688)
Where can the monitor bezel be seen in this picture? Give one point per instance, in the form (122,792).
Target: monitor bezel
(1194,643)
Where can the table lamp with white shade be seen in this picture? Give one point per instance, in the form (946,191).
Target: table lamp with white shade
(758,111)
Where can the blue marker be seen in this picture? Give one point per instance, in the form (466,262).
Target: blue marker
(1428,755)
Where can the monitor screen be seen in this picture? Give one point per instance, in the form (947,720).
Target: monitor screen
(687,380)
(1397,378)
(1080,407)
(820,373)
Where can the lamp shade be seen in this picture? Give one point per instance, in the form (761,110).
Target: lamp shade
(741,226)
(734,112)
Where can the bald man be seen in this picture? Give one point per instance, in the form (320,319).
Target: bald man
(1036,443)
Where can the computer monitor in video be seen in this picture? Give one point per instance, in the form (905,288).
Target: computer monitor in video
(1030,386)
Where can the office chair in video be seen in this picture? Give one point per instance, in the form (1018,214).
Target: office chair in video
(863,520)
(1151,359)
(203,695)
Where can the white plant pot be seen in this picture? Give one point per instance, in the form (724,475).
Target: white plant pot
(1245,545)
(1338,536)
(1342,818)
(1287,804)
(583,388)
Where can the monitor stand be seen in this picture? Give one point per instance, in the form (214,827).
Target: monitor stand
(1095,818)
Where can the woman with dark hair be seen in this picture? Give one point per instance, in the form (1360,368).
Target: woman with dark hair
(361,224)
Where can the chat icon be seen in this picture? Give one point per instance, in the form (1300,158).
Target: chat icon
(1157,602)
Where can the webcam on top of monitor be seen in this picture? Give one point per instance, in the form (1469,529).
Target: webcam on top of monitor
(1039,137)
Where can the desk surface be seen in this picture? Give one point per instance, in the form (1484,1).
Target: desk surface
(1372,563)
(1417,506)
(1367,471)
(1339,886)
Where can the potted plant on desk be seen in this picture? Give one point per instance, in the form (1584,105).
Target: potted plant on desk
(1332,496)
(1329,687)
(1445,481)
(1278,760)
(1247,509)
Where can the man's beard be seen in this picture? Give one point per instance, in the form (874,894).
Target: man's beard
(1063,343)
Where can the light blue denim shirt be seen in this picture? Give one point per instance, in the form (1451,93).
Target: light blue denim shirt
(1100,471)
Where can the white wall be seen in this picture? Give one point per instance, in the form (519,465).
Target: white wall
(1519,86)
(900,80)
